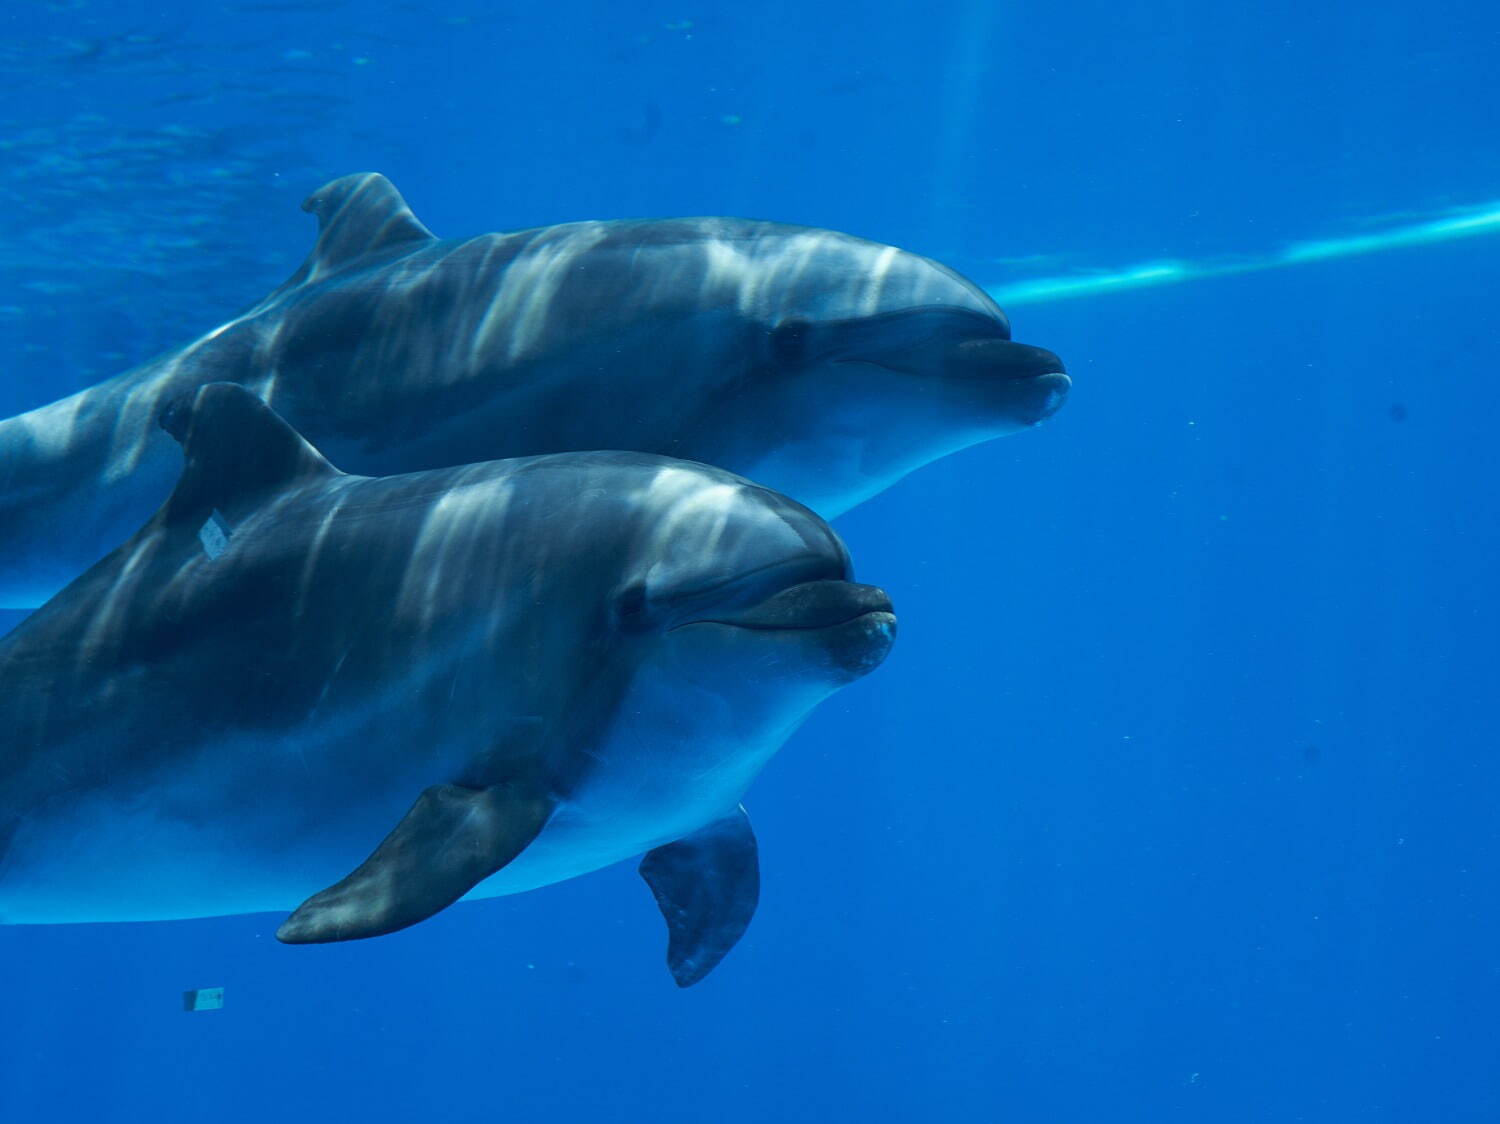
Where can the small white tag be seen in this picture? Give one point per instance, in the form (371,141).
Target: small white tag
(214,535)
(203,999)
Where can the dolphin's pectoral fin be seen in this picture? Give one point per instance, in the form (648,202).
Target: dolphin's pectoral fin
(707,886)
(452,839)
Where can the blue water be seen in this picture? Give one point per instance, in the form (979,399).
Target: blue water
(1174,801)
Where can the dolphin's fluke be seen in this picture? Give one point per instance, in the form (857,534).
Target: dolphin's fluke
(358,215)
(707,886)
(452,839)
(238,451)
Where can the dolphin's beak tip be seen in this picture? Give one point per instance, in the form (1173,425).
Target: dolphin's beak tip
(1055,387)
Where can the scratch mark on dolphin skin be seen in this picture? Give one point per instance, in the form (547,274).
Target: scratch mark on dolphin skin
(328,686)
(1473,222)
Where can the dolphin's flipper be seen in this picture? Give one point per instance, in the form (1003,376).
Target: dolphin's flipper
(707,886)
(452,839)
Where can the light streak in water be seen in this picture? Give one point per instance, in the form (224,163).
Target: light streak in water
(1470,223)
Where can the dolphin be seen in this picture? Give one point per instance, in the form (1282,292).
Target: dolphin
(821,365)
(516,672)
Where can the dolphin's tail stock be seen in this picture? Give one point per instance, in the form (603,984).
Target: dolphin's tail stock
(77,477)
(31,481)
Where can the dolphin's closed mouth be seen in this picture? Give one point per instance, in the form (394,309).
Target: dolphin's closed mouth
(809,606)
(1034,377)
(988,359)
(1054,389)
(992,358)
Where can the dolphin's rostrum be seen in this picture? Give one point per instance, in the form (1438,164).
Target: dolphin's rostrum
(820,365)
(517,671)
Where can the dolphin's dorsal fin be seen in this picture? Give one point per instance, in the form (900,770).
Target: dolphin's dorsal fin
(239,453)
(358,215)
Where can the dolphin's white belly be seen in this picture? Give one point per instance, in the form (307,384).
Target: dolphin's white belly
(672,763)
(108,859)
(679,755)
(628,808)
(248,825)
(261,824)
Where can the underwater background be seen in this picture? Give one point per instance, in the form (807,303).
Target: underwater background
(1175,800)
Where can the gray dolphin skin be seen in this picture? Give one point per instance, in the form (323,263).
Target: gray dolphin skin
(515,672)
(820,365)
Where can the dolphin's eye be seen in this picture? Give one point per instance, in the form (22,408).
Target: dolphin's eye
(631,603)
